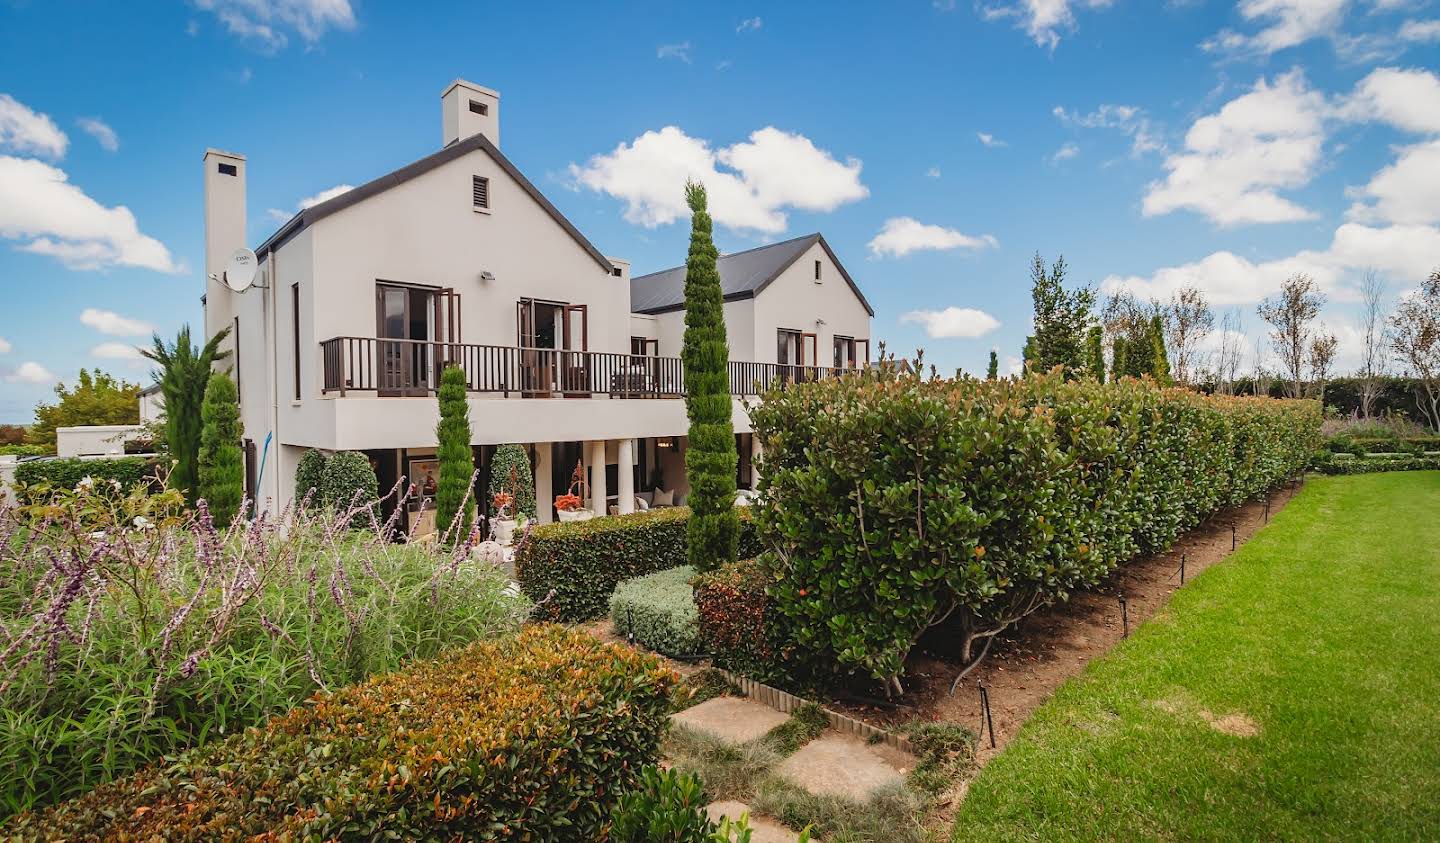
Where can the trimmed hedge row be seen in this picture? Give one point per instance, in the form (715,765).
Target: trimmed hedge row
(735,620)
(659,610)
(581,562)
(1368,465)
(66,473)
(534,737)
(1361,445)
(891,504)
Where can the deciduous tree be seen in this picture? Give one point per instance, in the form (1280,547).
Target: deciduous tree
(1291,315)
(1415,338)
(1188,321)
(1374,357)
(96,398)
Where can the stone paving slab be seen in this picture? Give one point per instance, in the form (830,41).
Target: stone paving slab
(731,719)
(843,765)
(762,830)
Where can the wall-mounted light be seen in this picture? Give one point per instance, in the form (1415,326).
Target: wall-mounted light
(487,275)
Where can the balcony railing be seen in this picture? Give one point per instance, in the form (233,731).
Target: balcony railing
(412,367)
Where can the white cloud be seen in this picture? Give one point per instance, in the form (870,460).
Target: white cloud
(112,323)
(987,139)
(1065,153)
(101,132)
(39,204)
(679,51)
(30,372)
(1237,159)
(749,25)
(953,322)
(5,346)
(1128,119)
(1288,23)
(761,179)
(310,201)
(933,172)
(116,351)
(266,23)
(1420,31)
(1044,20)
(902,235)
(27,131)
(1402,251)
(1407,99)
(1407,191)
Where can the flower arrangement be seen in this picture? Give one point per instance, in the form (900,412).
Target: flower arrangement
(572,500)
(502,501)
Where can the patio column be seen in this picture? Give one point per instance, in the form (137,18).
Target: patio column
(544,495)
(596,460)
(755,452)
(626,471)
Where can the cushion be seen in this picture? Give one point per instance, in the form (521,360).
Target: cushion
(640,504)
(647,497)
(664,498)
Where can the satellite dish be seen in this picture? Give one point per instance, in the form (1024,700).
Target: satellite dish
(240,271)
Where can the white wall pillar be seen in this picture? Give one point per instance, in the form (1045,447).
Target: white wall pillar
(755,452)
(595,458)
(626,469)
(544,494)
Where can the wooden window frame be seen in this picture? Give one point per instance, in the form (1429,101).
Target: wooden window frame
(295,331)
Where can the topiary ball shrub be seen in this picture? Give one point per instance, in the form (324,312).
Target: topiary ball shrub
(510,472)
(349,482)
(658,610)
(310,476)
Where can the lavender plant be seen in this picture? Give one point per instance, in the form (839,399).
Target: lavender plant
(131,628)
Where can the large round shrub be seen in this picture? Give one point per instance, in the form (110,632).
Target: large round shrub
(310,476)
(349,481)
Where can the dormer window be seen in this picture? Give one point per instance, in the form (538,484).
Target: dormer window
(480,193)
(479,108)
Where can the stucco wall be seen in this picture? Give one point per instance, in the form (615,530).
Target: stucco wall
(794,301)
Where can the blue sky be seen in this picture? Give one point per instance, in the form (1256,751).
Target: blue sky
(938,145)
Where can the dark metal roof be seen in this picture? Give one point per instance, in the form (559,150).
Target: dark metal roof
(743,275)
(309,216)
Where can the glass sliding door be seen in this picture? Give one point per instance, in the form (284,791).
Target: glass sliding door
(405,318)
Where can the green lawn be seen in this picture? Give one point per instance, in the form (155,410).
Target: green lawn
(1323,631)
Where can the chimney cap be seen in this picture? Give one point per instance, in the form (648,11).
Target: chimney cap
(470,86)
(209,151)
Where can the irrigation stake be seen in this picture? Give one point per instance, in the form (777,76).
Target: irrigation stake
(1182,569)
(630,625)
(1232,536)
(1125,615)
(989,721)
(1267,509)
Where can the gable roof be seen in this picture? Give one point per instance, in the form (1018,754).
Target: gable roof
(743,275)
(309,216)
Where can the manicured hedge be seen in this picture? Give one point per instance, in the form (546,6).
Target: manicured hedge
(659,610)
(532,738)
(1361,445)
(581,562)
(891,504)
(1382,462)
(66,473)
(736,621)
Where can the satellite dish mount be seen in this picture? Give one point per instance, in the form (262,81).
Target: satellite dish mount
(241,270)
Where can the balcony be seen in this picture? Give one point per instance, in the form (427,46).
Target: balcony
(412,368)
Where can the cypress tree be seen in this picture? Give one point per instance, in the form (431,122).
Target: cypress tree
(993,370)
(1119,360)
(1095,351)
(1159,361)
(221,465)
(713,529)
(457,460)
(183,374)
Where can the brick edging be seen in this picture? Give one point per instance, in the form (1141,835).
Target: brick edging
(787,703)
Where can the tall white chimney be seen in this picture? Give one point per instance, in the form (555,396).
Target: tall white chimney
(224,233)
(469,109)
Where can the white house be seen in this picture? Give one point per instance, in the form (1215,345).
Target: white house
(458,259)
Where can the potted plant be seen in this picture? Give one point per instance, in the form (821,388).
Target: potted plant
(569,505)
(502,525)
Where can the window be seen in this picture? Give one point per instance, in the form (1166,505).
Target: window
(844,352)
(479,108)
(480,190)
(228,170)
(295,332)
(616,271)
(817,272)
